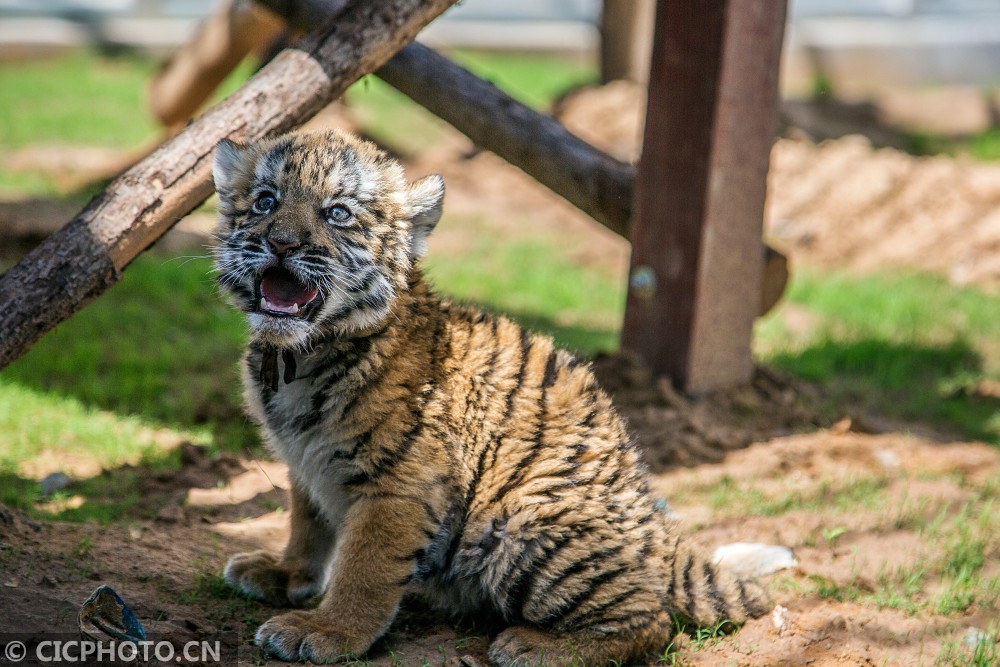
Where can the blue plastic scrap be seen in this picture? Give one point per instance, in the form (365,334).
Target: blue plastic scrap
(105,612)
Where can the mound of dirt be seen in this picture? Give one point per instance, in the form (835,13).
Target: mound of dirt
(676,430)
(843,204)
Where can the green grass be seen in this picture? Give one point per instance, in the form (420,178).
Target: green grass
(732,498)
(946,580)
(983,652)
(34,422)
(983,146)
(80,98)
(160,345)
(905,346)
(532,281)
(534,81)
(84,98)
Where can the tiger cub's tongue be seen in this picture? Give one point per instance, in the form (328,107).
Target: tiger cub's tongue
(280,288)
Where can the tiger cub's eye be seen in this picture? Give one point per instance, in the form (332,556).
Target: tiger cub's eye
(338,214)
(264,203)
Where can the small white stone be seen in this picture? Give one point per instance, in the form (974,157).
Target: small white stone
(887,458)
(973,637)
(746,559)
(779,617)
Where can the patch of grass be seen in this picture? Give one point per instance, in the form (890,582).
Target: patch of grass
(703,635)
(900,588)
(113,495)
(534,80)
(980,650)
(829,589)
(161,345)
(697,638)
(100,100)
(747,500)
(81,98)
(822,87)
(986,145)
(909,347)
(228,609)
(580,306)
(968,536)
(36,423)
(983,146)
(831,534)
(948,581)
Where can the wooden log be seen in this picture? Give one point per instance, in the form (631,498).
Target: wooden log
(88,255)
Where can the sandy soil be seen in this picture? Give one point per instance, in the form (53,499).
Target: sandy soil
(837,204)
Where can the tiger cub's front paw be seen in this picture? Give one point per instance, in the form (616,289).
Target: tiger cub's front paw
(263,576)
(307,635)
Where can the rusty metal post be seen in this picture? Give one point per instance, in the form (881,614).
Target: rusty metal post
(695,280)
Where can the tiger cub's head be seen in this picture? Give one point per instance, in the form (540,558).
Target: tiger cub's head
(317,233)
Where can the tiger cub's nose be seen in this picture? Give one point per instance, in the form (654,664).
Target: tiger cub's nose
(282,246)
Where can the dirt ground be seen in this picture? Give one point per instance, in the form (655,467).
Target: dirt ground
(167,569)
(841,204)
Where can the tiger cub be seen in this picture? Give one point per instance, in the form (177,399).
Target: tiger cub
(432,448)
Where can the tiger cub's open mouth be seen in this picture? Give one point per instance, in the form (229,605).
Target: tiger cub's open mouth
(281,294)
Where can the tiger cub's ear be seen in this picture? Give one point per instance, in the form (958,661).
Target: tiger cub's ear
(426,199)
(229,157)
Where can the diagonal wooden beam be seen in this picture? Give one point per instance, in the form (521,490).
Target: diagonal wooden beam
(87,256)
(539,145)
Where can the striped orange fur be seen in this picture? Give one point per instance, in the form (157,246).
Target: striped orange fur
(432,448)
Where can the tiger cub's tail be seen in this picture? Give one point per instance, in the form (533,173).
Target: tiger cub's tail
(707,594)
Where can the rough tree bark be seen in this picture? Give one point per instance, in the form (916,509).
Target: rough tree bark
(88,255)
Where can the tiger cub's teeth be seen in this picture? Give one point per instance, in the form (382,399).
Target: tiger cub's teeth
(267,306)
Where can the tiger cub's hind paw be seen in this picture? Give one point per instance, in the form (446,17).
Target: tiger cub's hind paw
(527,647)
(263,576)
